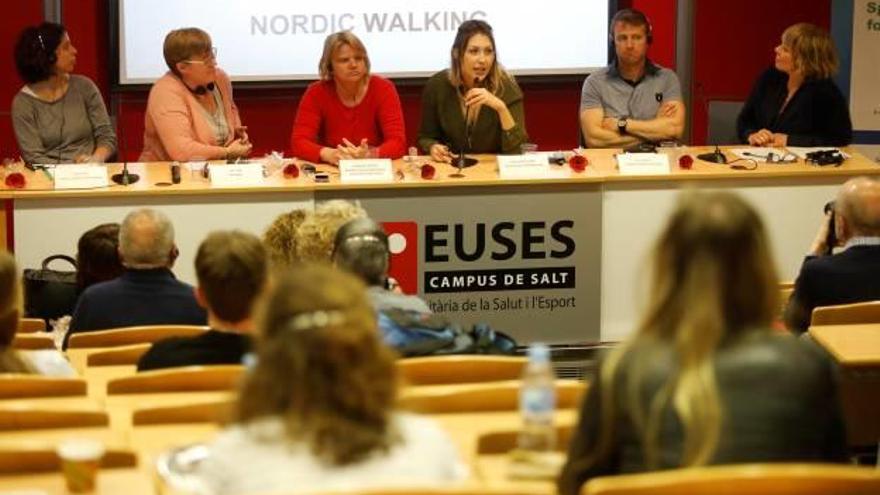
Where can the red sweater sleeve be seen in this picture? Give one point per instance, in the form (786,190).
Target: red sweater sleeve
(390,117)
(304,138)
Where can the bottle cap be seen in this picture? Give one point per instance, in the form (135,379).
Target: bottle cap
(539,351)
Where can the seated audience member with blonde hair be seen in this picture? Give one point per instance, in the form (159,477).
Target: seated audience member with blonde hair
(44,362)
(795,102)
(231,269)
(315,235)
(317,412)
(190,111)
(280,238)
(147,293)
(705,380)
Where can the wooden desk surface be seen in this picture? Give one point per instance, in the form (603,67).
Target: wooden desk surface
(602,169)
(128,481)
(121,406)
(851,345)
(96,377)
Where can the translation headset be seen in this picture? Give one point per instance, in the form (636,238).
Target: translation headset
(825,157)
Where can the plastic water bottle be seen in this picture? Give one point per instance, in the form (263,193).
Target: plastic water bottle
(537,402)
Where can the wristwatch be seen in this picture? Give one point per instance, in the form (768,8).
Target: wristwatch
(621,125)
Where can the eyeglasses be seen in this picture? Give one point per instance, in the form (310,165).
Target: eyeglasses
(210,61)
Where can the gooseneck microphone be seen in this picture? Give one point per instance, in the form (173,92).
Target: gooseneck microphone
(714,156)
(463,161)
(125,178)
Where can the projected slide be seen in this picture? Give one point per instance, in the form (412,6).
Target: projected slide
(272,40)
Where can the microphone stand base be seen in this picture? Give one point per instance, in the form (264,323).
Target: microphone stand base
(713,157)
(464,162)
(132,178)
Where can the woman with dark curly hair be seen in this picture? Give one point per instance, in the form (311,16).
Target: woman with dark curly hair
(317,412)
(57,116)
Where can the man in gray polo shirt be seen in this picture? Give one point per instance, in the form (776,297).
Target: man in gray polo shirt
(632,100)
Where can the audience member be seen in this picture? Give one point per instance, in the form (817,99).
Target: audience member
(147,293)
(97,256)
(231,268)
(850,276)
(58,117)
(475,105)
(315,235)
(361,248)
(45,362)
(190,111)
(633,100)
(280,238)
(317,412)
(795,102)
(349,113)
(704,380)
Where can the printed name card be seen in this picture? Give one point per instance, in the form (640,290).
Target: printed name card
(80,176)
(643,164)
(236,174)
(367,170)
(531,166)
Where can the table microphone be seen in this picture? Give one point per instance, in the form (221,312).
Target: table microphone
(714,156)
(124,178)
(463,161)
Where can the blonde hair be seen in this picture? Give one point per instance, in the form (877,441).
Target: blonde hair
(184,44)
(10,313)
(316,234)
(813,50)
(322,368)
(333,43)
(712,277)
(280,238)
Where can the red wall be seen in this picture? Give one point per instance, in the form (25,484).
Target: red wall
(16,16)
(733,43)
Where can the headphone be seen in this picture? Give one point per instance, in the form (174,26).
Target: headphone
(825,157)
(200,89)
(625,16)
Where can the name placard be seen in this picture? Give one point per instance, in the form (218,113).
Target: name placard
(643,164)
(80,176)
(367,170)
(531,166)
(236,174)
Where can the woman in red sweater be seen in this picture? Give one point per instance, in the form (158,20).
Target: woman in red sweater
(348,113)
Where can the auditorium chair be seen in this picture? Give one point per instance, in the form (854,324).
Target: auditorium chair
(434,370)
(847,314)
(31,325)
(123,355)
(751,479)
(481,397)
(501,442)
(204,412)
(183,379)
(132,335)
(20,386)
(24,459)
(17,417)
(33,342)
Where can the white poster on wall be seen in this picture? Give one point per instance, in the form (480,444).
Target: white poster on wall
(865,78)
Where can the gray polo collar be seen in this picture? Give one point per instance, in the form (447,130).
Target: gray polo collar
(650,70)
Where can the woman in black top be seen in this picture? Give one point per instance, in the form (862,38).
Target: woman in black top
(795,103)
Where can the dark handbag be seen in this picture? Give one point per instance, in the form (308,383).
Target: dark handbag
(48,293)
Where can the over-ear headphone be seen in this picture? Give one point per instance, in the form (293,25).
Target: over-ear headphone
(634,17)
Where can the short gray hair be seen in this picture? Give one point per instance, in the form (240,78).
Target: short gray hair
(146,239)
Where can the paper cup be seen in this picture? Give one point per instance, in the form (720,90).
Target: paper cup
(80,460)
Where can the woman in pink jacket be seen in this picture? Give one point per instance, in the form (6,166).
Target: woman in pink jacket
(190,112)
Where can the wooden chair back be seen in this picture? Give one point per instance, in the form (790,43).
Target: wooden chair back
(132,335)
(31,325)
(847,314)
(19,386)
(435,370)
(123,355)
(40,460)
(37,418)
(502,442)
(184,379)
(481,397)
(206,412)
(753,479)
(33,342)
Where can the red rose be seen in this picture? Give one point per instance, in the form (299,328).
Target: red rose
(291,171)
(686,162)
(428,171)
(578,163)
(15,180)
